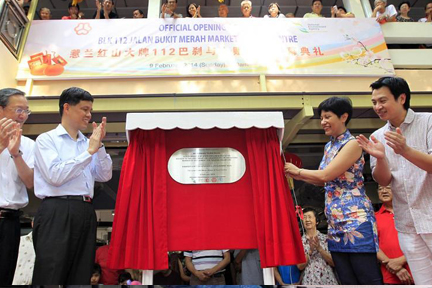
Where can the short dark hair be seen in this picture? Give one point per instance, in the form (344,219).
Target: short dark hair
(315,212)
(73,96)
(187,9)
(337,105)
(313,2)
(397,86)
(71,5)
(140,11)
(343,8)
(124,277)
(8,92)
(97,269)
(277,5)
(404,2)
(166,1)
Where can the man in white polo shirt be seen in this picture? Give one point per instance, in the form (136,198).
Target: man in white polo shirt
(401,155)
(207,266)
(16,174)
(66,166)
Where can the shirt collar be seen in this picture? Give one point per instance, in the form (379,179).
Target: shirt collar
(409,118)
(62,131)
(383,210)
(341,137)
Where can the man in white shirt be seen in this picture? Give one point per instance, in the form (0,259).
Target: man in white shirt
(382,13)
(428,13)
(168,10)
(66,166)
(16,174)
(401,155)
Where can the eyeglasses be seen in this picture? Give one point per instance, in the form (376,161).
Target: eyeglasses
(19,111)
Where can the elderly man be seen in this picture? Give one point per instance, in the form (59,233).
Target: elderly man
(106,12)
(223,11)
(382,13)
(316,10)
(401,155)
(207,266)
(246,8)
(394,266)
(16,166)
(168,10)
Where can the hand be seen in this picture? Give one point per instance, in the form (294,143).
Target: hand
(291,169)
(97,136)
(393,265)
(374,147)
(15,140)
(201,276)
(312,245)
(315,242)
(405,277)
(209,272)
(6,131)
(396,141)
(98,5)
(74,16)
(198,12)
(381,18)
(105,8)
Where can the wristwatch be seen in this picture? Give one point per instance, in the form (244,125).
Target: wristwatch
(19,154)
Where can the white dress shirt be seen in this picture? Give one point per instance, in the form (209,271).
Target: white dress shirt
(13,192)
(411,186)
(25,263)
(64,167)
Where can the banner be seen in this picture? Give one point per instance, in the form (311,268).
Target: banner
(76,49)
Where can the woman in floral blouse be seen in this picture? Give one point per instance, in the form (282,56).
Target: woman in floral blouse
(318,267)
(352,233)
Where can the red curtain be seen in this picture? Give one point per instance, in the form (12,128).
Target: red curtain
(154,214)
(139,235)
(278,234)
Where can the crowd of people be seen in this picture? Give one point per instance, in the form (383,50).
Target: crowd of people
(381,11)
(62,166)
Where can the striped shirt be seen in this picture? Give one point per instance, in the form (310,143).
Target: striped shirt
(205,259)
(411,186)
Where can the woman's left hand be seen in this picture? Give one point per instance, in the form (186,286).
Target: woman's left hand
(291,169)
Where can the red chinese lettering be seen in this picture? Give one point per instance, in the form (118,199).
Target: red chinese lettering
(183,51)
(143,52)
(116,53)
(102,53)
(304,51)
(211,50)
(197,51)
(236,51)
(130,52)
(317,51)
(88,53)
(75,53)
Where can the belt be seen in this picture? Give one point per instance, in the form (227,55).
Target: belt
(10,213)
(79,198)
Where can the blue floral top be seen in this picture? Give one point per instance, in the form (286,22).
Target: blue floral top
(350,215)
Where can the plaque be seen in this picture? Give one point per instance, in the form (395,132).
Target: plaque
(206,165)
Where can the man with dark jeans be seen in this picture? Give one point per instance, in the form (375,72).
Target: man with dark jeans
(16,174)
(66,166)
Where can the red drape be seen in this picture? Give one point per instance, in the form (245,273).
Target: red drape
(278,234)
(154,214)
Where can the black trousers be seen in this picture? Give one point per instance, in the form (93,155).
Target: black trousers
(357,268)
(10,232)
(64,237)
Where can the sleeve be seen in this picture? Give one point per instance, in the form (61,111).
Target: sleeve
(429,134)
(391,11)
(28,154)
(102,166)
(188,254)
(53,170)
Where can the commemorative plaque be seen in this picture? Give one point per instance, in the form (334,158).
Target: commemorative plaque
(206,165)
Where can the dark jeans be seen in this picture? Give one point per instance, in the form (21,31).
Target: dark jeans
(64,237)
(10,231)
(357,268)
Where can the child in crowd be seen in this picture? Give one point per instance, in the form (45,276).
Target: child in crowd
(97,272)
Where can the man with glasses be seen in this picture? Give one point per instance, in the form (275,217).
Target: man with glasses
(16,174)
